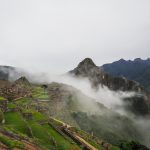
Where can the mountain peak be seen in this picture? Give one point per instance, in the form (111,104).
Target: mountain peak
(87,62)
(138,59)
(122,60)
(23,81)
(85,67)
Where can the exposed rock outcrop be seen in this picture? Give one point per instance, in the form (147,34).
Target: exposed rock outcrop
(98,77)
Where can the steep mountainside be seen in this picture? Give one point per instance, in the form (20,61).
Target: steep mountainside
(34,120)
(60,117)
(138,70)
(139,104)
(68,104)
(25,125)
(97,76)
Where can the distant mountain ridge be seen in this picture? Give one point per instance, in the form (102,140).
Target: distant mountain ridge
(137,70)
(10,73)
(98,77)
(5,72)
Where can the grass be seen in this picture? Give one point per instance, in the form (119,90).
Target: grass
(1,116)
(11,105)
(40,133)
(12,130)
(88,138)
(39,93)
(37,116)
(23,101)
(15,120)
(114,148)
(62,143)
(45,135)
(27,111)
(2,98)
(11,143)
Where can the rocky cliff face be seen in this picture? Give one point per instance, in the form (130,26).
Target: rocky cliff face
(98,77)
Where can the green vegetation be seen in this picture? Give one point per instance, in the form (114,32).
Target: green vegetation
(62,143)
(2,98)
(11,105)
(29,123)
(48,137)
(39,93)
(43,134)
(127,145)
(27,110)
(89,138)
(13,130)
(23,101)
(131,145)
(37,116)
(111,128)
(11,143)
(1,116)
(16,121)
(114,148)
(40,133)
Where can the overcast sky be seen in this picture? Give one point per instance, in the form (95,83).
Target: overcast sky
(56,34)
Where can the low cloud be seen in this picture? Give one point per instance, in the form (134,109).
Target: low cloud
(110,99)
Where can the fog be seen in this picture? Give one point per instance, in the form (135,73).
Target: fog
(50,37)
(103,95)
(113,100)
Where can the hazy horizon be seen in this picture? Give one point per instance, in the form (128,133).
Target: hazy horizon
(57,35)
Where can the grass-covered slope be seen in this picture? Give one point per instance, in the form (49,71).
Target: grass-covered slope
(37,128)
(23,125)
(52,118)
